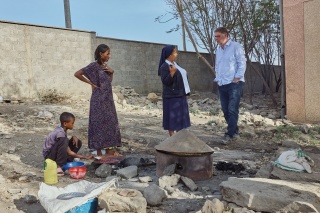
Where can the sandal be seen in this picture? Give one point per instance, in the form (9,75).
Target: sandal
(60,172)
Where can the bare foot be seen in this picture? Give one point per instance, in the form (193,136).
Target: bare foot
(112,152)
(99,152)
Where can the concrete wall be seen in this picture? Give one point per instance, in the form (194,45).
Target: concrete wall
(36,59)
(302,50)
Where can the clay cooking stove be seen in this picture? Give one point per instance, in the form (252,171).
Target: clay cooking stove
(190,154)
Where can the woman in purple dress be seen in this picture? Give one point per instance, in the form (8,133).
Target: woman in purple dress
(104,132)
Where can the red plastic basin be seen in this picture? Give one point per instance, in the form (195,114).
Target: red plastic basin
(77,172)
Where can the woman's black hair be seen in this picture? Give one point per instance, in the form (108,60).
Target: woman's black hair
(102,48)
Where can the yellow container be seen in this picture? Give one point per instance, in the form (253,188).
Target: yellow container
(50,172)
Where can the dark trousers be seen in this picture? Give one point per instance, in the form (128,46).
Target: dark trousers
(230,99)
(58,151)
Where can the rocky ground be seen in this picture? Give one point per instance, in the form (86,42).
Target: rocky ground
(25,123)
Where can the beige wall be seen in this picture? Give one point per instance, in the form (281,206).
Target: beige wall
(302,51)
(36,59)
(312,59)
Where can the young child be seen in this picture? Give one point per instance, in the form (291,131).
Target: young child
(58,147)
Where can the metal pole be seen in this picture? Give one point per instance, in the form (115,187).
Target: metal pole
(283,74)
(67,14)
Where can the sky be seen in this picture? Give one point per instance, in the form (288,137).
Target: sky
(121,19)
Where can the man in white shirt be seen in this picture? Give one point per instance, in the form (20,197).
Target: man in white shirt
(230,68)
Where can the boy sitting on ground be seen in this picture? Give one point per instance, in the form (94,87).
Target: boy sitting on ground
(58,147)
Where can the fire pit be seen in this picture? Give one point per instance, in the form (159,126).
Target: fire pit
(191,155)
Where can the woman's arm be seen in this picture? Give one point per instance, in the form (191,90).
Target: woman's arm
(79,75)
(168,74)
(75,155)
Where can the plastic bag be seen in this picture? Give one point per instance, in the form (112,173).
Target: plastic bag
(48,194)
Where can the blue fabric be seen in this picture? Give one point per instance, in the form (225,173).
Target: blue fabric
(230,63)
(166,52)
(175,113)
(230,99)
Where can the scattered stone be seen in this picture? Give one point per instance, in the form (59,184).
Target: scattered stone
(154,195)
(291,144)
(169,181)
(104,170)
(45,115)
(214,206)
(14,191)
(305,138)
(189,183)
(145,179)
(122,200)
(305,128)
(242,210)
(15,102)
(11,150)
(25,191)
(264,171)
(169,170)
(133,179)
(152,97)
(29,199)
(205,188)
(128,172)
(24,179)
(111,178)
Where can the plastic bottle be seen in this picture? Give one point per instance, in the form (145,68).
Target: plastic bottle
(50,172)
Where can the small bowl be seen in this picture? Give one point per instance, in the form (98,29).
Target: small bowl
(77,172)
(72,164)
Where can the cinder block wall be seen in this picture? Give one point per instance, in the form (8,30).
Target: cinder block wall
(36,59)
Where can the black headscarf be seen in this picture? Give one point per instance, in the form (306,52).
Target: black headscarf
(166,52)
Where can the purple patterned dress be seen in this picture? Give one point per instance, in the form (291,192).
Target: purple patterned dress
(104,129)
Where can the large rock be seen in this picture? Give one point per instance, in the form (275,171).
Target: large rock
(123,200)
(154,195)
(189,183)
(103,171)
(269,195)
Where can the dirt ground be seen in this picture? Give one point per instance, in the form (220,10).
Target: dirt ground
(24,125)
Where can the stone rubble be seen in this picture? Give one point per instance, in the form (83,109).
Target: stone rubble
(141,192)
